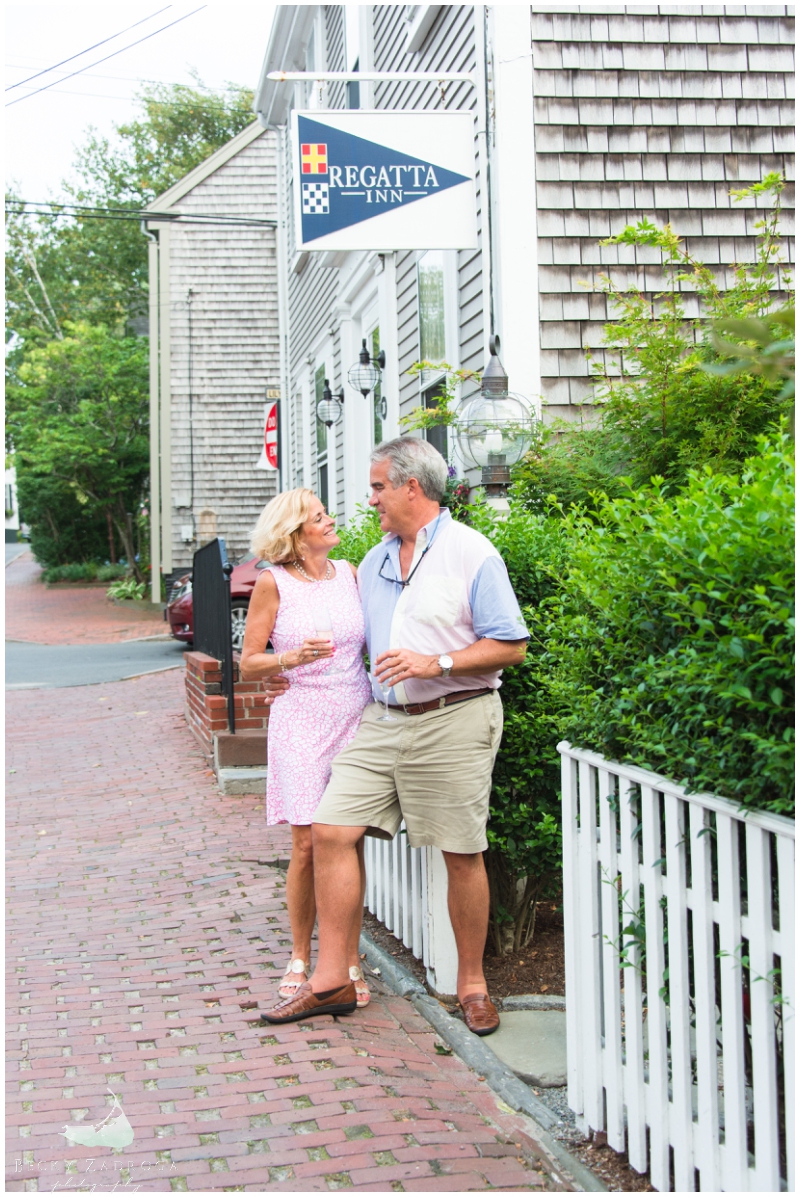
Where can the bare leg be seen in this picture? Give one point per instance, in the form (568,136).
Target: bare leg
(300,893)
(468,904)
(353,956)
(338,886)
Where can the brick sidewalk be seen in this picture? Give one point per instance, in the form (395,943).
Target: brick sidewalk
(142,934)
(82,615)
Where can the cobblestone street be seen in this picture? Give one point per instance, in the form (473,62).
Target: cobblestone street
(145,926)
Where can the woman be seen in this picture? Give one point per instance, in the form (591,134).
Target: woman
(328,690)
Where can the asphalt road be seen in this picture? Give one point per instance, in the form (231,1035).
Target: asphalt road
(43,666)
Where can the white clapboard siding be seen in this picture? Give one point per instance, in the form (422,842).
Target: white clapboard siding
(680,1043)
(656,112)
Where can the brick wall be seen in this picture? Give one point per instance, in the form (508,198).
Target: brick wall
(207,708)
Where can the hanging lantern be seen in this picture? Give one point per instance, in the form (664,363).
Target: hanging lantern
(496,427)
(365,375)
(329,408)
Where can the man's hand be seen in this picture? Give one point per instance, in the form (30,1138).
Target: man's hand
(274,687)
(400,664)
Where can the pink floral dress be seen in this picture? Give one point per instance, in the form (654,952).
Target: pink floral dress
(320,712)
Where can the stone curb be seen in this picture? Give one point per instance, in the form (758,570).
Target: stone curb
(479,1057)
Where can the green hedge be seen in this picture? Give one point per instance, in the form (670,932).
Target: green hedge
(84,571)
(671,640)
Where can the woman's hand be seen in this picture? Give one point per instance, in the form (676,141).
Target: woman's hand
(314,649)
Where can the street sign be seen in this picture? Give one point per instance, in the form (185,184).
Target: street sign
(269,454)
(384,180)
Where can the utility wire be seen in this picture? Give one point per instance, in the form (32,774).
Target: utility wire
(87,212)
(88,49)
(64,78)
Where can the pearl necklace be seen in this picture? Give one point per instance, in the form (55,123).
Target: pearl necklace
(300,570)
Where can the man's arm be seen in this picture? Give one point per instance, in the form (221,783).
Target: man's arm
(484,656)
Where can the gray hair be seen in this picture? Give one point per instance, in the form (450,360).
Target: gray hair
(411,457)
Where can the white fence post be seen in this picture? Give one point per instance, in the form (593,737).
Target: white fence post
(443,966)
(407,891)
(697,1057)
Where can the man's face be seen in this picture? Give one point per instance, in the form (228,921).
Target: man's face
(393,506)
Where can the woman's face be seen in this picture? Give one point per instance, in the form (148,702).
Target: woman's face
(319,530)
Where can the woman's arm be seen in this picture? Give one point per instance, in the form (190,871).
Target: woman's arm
(261,615)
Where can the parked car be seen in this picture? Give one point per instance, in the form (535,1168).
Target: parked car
(179,613)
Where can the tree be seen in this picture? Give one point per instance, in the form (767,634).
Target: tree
(94,269)
(78,417)
(77,383)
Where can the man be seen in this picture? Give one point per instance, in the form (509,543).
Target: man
(442,621)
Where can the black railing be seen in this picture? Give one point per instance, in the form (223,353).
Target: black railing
(211,602)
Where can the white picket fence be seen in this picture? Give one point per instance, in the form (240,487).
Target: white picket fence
(665,890)
(407,892)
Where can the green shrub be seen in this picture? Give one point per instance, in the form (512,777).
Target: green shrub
(524,831)
(360,535)
(108,573)
(62,528)
(670,399)
(671,641)
(127,588)
(76,571)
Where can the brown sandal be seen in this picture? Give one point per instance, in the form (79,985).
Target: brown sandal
(296,974)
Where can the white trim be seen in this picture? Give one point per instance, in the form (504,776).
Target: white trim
(165,397)
(156,519)
(516,306)
(420,20)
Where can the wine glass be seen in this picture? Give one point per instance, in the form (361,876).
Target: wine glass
(385,687)
(323,625)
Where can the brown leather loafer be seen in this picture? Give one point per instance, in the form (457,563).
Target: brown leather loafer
(306,1003)
(480,1014)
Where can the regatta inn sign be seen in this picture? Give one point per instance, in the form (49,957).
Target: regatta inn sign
(384,180)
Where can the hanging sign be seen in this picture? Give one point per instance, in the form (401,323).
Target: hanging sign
(269,453)
(384,180)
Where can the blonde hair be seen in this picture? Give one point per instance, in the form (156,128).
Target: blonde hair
(277,535)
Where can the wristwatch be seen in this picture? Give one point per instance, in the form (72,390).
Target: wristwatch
(445,663)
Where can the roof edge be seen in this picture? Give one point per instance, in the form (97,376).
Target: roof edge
(287,39)
(206,168)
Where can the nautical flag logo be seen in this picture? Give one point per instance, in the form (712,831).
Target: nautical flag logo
(359,176)
(314,158)
(316,200)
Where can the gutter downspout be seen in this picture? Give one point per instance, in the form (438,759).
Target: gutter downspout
(284,344)
(153,254)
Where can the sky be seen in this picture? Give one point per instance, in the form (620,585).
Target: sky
(223,41)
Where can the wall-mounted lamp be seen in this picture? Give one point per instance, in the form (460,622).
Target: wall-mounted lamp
(366,374)
(329,408)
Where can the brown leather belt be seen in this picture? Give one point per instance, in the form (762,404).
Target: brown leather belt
(447,700)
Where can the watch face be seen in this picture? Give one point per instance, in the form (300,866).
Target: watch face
(446,662)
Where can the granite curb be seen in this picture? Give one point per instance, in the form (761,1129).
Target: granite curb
(479,1056)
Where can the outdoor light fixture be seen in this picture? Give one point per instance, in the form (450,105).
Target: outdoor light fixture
(329,408)
(366,374)
(495,428)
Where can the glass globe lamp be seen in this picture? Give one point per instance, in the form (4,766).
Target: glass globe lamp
(495,428)
(329,408)
(365,375)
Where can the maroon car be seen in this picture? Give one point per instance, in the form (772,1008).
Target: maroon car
(179,604)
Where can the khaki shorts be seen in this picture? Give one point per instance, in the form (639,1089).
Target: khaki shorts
(433,770)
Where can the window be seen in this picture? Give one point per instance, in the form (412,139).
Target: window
(436,436)
(322,439)
(430,283)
